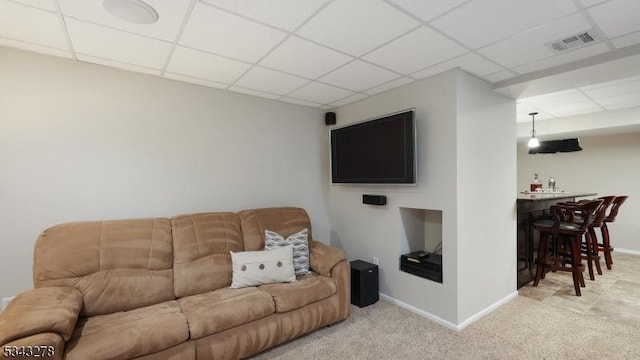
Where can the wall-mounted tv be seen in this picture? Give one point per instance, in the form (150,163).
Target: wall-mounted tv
(378,151)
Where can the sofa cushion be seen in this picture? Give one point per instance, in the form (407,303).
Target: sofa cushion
(251,268)
(298,241)
(219,310)
(308,289)
(201,244)
(116,265)
(283,220)
(128,334)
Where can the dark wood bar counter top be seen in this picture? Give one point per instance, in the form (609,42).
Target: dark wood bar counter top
(531,207)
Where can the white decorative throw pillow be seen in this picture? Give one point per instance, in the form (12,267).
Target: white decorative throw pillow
(273,240)
(252,268)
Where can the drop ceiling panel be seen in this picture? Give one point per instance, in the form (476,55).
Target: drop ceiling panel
(500,76)
(196,81)
(480,23)
(40,4)
(470,62)
(617,17)
(118,65)
(304,58)
(417,50)
(271,81)
(556,99)
(388,86)
(31,25)
(427,9)
(344,26)
(348,100)
(320,93)
(612,88)
(221,33)
(564,58)
(285,14)
(523,111)
(101,42)
(35,48)
(588,3)
(626,40)
(206,66)
(299,102)
(529,46)
(578,108)
(620,102)
(254,92)
(170,17)
(359,75)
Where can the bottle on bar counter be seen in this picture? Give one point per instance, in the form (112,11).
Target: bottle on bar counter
(536,184)
(552,184)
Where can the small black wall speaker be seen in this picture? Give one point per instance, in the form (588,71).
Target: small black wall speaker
(330,118)
(374,199)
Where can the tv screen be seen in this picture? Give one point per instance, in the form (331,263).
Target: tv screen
(379,151)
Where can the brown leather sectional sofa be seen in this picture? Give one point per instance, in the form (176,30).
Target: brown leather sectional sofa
(159,289)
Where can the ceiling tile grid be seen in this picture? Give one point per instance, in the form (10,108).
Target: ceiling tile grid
(42,27)
(358,76)
(329,53)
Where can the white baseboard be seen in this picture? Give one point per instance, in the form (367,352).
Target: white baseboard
(447,323)
(420,312)
(487,310)
(627,251)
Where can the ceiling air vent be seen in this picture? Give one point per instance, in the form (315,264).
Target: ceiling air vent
(574,41)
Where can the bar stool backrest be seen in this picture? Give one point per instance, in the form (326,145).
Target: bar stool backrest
(601,212)
(615,206)
(569,213)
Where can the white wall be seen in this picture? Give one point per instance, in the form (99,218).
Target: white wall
(365,231)
(454,167)
(607,165)
(486,159)
(86,142)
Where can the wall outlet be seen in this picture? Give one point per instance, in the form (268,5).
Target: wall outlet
(375,260)
(5,303)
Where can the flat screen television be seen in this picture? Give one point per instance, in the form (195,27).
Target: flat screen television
(379,151)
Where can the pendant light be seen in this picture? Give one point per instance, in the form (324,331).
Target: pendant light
(533,142)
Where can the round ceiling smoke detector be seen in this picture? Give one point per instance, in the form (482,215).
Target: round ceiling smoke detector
(133,11)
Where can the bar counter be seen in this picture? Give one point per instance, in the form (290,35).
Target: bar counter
(531,207)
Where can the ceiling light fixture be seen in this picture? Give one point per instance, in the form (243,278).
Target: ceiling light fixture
(133,11)
(533,142)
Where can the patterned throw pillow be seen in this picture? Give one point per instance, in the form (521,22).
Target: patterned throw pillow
(273,240)
(252,268)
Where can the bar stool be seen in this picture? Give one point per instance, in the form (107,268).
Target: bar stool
(591,247)
(605,246)
(568,235)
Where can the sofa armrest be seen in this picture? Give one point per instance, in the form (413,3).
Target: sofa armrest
(324,257)
(42,310)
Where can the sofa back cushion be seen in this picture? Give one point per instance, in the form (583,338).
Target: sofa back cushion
(116,265)
(282,220)
(202,242)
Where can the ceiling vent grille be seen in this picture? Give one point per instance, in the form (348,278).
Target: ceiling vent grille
(574,41)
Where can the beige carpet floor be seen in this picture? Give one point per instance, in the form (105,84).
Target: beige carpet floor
(535,325)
